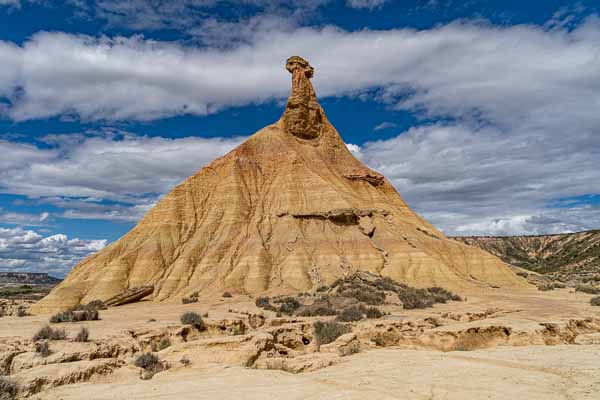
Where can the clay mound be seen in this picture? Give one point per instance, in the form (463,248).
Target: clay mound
(288,210)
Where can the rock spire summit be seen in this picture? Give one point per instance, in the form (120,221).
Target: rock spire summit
(303,115)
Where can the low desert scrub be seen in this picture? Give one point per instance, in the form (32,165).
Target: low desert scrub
(188,300)
(374,292)
(185,361)
(192,318)
(287,305)
(193,298)
(551,286)
(8,389)
(595,301)
(21,312)
(350,314)
(42,348)
(327,332)
(363,293)
(522,274)
(164,343)
(587,289)
(151,365)
(322,310)
(357,313)
(83,335)
(47,333)
(227,295)
(87,312)
(264,303)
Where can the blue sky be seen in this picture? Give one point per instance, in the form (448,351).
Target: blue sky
(483,114)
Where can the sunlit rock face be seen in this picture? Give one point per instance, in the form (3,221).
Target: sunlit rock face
(288,210)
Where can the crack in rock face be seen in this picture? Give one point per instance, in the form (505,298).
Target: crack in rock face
(303,115)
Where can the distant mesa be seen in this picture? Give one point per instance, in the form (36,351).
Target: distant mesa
(288,210)
(28,278)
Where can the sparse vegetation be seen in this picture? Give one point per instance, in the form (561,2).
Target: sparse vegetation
(151,365)
(192,318)
(82,335)
(164,343)
(373,312)
(351,314)
(147,361)
(357,313)
(263,302)
(595,301)
(327,332)
(193,298)
(287,305)
(551,286)
(589,289)
(321,310)
(47,333)
(227,295)
(185,361)
(8,389)
(42,348)
(87,312)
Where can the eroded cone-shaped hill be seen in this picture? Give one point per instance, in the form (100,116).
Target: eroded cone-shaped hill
(288,210)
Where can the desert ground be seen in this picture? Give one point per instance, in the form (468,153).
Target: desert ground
(496,344)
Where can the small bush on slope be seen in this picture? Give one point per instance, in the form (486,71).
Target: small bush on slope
(595,301)
(42,348)
(327,332)
(589,289)
(350,314)
(47,333)
(82,335)
(192,318)
(8,389)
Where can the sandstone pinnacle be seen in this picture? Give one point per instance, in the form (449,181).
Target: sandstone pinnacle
(288,210)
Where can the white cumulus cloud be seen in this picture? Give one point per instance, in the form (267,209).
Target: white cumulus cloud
(27,250)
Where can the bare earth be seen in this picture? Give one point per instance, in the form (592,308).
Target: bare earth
(506,344)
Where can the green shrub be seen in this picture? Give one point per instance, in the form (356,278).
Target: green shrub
(147,361)
(47,333)
(364,294)
(164,343)
(316,311)
(350,314)
(8,389)
(76,314)
(288,305)
(151,365)
(263,302)
(192,318)
(82,335)
(546,287)
(42,348)
(587,289)
(373,312)
(595,301)
(327,332)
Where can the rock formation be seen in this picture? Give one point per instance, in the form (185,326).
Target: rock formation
(288,210)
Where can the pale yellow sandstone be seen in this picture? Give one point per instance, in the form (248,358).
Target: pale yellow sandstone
(288,210)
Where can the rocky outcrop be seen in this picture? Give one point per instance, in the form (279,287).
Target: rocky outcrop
(129,296)
(287,211)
